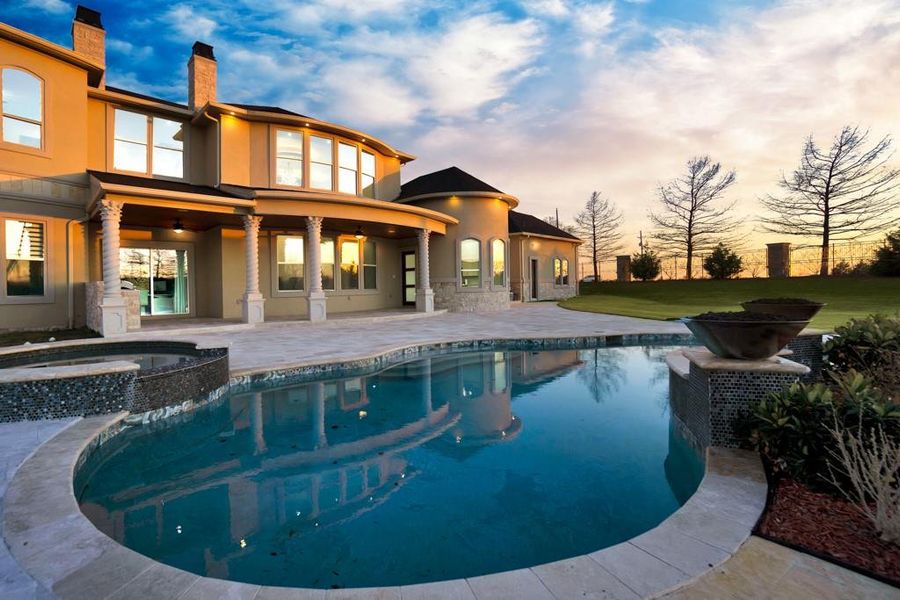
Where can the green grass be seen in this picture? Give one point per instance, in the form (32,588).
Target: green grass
(846,297)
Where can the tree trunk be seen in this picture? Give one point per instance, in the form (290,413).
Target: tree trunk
(595,249)
(823,266)
(690,261)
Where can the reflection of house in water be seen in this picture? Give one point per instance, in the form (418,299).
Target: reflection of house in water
(530,370)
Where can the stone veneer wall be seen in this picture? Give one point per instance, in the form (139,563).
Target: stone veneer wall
(136,391)
(93,296)
(550,291)
(808,350)
(447,296)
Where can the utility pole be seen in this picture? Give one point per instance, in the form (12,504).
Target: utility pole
(641,241)
(557,218)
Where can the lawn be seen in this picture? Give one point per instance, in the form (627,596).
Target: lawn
(846,297)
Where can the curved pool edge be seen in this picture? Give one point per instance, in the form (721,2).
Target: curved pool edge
(52,541)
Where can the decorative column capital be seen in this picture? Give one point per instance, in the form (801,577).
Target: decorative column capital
(252,223)
(110,210)
(314,224)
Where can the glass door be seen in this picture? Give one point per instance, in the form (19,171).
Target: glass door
(161,277)
(409,277)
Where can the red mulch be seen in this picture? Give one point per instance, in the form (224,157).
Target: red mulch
(828,526)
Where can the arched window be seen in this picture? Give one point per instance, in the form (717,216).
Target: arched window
(498,260)
(557,271)
(22,107)
(470,263)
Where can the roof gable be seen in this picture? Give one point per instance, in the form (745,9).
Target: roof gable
(524,223)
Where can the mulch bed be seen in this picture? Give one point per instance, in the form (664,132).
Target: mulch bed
(829,527)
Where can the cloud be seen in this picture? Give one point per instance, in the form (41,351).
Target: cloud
(129,49)
(370,95)
(55,7)
(189,23)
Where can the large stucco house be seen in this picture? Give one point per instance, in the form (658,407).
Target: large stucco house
(119,208)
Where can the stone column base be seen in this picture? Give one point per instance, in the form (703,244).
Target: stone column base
(252,310)
(113,316)
(316,306)
(425,300)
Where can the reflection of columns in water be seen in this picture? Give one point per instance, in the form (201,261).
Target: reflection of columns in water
(425,378)
(317,397)
(343,485)
(314,487)
(257,423)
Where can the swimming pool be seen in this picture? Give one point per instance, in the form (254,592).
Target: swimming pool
(451,466)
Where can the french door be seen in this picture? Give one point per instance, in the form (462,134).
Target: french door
(409,277)
(161,277)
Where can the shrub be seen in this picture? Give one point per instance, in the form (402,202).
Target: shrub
(870,345)
(845,269)
(887,257)
(723,263)
(646,265)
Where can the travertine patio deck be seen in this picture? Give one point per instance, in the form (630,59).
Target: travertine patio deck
(644,566)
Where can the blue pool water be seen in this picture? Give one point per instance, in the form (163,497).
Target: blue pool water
(452,466)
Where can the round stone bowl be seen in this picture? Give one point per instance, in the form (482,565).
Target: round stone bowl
(746,340)
(795,310)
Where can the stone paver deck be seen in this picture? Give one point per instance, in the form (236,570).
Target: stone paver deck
(703,533)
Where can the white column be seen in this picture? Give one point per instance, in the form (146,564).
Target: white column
(424,293)
(316,303)
(113,310)
(252,309)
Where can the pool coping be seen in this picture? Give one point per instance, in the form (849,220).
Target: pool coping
(55,543)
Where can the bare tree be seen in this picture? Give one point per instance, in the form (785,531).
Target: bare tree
(689,220)
(845,192)
(598,225)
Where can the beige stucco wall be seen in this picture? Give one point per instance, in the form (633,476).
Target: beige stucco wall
(523,248)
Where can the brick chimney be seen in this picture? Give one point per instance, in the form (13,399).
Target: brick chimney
(89,37)
(201,76)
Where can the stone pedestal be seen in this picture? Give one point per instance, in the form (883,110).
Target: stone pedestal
(778,260)
(425,300)
(623,268)
(104,315)
(253,308)
(316,306)
(709,393)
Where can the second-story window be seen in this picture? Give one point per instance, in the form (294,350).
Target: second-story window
(289,158)
(321,161)
(347,168)
(131,151)
(367,174)
(22,108)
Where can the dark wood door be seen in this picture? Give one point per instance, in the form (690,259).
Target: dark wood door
(408,267)
(534,279)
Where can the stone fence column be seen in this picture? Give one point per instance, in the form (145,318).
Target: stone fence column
(623,268)
(778,260)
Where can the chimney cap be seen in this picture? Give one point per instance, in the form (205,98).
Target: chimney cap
(203,50)
(88,16)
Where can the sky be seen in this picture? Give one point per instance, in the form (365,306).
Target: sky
(547,100)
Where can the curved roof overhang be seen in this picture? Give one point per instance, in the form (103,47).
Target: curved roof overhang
(302,121)
(347,207)
(547,237)
(512,201)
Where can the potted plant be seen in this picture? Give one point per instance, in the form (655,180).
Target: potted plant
(796,308)
(744,335)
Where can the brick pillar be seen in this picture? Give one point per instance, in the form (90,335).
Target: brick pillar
(623,268)
(201,76)
(778,260)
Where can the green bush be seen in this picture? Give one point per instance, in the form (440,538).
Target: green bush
(845,269)
(646,265)
(887,257)
(870,345)
(723,263)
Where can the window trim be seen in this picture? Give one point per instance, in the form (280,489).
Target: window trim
(273,254)
(365,263)
(148,173)
(459,282)
(48,296)
(192,279)
(273,152)
(505,283)
(6,145)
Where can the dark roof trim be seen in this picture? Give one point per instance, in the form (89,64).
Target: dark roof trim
(445,181)
(262,108)
(88,16)
(145,97)
(159,184)
(524,223)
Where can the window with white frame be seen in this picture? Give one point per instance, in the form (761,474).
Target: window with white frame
(288,157)
(370,266)
(327,249)
(347,168)
(470,263)
(367,173)
(24,258)
(289,261)
(131,151)
(22,108)
(321,161)
(498,260)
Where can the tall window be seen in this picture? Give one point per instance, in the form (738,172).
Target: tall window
(288,157)
(130,144)
(350,265)
(24,255)
(327,248)
(565,271)
(370,268)
(498,258)
(557,271)
(320,162)
(367,177)
(470,263)
(289,250)
(22,108)
(168,148)
(347,168)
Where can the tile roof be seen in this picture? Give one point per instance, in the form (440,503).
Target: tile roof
(158,184)
(448,180)
(523,223)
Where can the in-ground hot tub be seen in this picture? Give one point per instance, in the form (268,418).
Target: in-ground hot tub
(53,381)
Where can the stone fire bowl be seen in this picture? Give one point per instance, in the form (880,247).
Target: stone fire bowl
(747,340)
(798,311)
